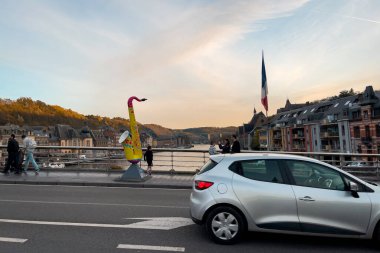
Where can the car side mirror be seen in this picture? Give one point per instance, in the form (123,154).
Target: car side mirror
(354,188)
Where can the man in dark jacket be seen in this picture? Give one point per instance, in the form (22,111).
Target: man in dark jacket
(226,147)
(12,149)
(235,145)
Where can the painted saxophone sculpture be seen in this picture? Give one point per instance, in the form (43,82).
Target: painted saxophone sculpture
(131,140)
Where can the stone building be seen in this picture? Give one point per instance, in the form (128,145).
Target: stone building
(348,124)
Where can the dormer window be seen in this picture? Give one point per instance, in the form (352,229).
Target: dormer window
(365,114)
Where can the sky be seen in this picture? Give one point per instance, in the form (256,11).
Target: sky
(197,62)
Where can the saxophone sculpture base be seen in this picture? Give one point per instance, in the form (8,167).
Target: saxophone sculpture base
(134,174)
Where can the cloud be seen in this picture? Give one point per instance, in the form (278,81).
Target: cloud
(197,62)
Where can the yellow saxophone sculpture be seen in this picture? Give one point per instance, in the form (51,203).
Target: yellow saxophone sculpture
(131,140)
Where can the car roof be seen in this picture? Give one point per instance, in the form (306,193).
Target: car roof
(244,156)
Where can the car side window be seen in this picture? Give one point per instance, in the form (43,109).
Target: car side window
(315,175)
(261,170)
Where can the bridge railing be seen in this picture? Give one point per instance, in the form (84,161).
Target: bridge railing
(175,160)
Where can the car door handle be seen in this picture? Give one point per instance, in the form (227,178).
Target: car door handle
(307,198)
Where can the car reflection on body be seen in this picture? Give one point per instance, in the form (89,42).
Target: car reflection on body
(282,193)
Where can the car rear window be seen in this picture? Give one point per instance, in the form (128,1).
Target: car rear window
(208,166)
(260,170)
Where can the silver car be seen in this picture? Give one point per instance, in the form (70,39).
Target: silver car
(282,193)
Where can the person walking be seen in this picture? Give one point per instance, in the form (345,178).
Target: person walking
(212,149)
(30,145)
(235,145)
(226,147)
(148,157)
(12,149)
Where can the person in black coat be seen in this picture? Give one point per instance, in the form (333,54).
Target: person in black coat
(226,147)
(12,149)
(235,145)
(148,157)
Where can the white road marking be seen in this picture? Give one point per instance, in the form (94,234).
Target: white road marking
(164,223)
(105,187)
(149,247)
(157,223)
(88,203)
(8,239)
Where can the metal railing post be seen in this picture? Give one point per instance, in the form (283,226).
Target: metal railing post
(108,168)
(172,160)
(341,161)
(78,158)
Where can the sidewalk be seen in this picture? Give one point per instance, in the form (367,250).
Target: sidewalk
(104,179)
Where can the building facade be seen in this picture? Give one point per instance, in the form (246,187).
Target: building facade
(349,124)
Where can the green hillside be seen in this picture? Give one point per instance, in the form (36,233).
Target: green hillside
(27,112)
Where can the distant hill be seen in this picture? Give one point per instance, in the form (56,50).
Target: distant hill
(25,111)
(201,134)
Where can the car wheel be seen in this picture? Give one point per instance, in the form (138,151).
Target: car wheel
(225,225)
(376,235)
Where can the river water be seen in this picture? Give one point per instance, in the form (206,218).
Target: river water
(180,161)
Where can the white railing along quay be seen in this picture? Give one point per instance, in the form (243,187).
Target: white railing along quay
(174,160)
(113,159)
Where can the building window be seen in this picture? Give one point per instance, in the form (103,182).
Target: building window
(343,132)
(367,132)
(376,112)
(359,149)
(378,130)
(356,115)
(365,114)
(357,132)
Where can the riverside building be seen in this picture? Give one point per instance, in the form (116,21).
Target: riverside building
(344,125)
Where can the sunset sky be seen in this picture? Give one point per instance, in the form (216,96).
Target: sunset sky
(197,62)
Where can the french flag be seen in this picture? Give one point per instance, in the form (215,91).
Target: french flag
(264,86)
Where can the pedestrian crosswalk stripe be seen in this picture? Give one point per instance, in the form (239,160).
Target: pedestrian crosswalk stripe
(8,239)
(150,247)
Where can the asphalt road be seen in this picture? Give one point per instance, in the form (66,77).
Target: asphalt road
(98,219)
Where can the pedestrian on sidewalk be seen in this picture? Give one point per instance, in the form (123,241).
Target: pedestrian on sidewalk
(29,146)
(12,149)
(235,145)
(212,149)
(226,147)
(148,157)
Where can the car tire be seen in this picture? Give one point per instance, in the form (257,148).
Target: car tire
(376,235)
(225,225)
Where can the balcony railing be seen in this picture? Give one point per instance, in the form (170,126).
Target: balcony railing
(366,139)
(329,135)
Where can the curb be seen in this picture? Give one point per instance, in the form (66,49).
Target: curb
(127,184)
(158,172)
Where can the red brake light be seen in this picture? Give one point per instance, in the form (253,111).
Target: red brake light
(202,185)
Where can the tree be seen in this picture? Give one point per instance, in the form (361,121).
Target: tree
(347,93)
